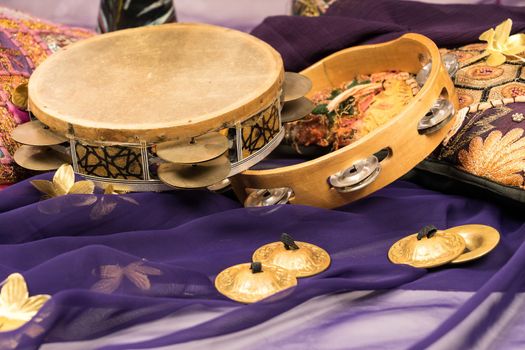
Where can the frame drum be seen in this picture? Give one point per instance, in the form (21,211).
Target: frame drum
(119,97)
(353,171)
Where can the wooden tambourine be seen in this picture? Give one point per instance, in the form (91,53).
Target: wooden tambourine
(353,172)
(184,105)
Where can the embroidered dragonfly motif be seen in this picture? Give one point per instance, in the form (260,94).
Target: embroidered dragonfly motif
(111,276)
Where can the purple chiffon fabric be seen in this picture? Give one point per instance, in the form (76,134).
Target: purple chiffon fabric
(111,262)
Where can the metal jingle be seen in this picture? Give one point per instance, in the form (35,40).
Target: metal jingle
(297,109)
(193,176)
(36,133)
(220,186)
(428,251)
(251,282)
(362,184)
(442,110)
(303,259)
(40,158)
(197,150)
(479,240)
(360,175)
(268,197)
(451,63)
(295,86)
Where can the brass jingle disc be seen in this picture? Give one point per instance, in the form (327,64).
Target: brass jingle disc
(295,86)
(296,109)
(190,151)
(306,261)
(36,133)
(479,239)
(438,250)
(40,158)
(241,284)
(193,176)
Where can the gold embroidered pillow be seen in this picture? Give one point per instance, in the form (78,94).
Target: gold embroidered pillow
(24,43)
(476,81)
(485,148)
(487,151)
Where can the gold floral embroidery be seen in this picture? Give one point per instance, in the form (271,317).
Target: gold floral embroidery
(64,183)
(16,306)
(498,158)
(482,120)
(111,276)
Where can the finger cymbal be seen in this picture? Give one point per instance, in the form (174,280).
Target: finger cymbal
(39,158)
(197,150)
(197,175)
(296,109)
(479,239)
(295,86)
(36,133)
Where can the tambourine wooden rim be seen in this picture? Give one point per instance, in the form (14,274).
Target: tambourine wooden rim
(400,136)
(261,76)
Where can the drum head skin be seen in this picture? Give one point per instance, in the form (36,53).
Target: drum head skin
(155,83)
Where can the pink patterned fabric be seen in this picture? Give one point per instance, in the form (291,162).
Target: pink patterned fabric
(24,43)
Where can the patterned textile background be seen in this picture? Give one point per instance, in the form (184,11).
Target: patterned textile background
(491,145)
(24,43)
(241,14)
(488,145)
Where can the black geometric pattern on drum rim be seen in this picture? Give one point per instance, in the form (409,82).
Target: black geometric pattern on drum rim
(260,131)
(115,162)
(233,152)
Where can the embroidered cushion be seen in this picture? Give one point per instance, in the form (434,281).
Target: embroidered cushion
(485,149)
(25,42)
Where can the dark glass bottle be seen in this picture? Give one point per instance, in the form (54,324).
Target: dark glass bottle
(121,14)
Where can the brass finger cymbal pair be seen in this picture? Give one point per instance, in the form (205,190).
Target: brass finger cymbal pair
(194,163)
(432,248)
(40,150)
(276,267)
(296,106)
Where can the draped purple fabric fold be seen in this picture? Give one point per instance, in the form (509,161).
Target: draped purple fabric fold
(303,41)
(111,262)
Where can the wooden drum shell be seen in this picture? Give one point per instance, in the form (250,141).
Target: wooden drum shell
(309,180)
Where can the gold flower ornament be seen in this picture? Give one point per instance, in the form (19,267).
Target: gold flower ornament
(500,44)
(64,183)
(16,306)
